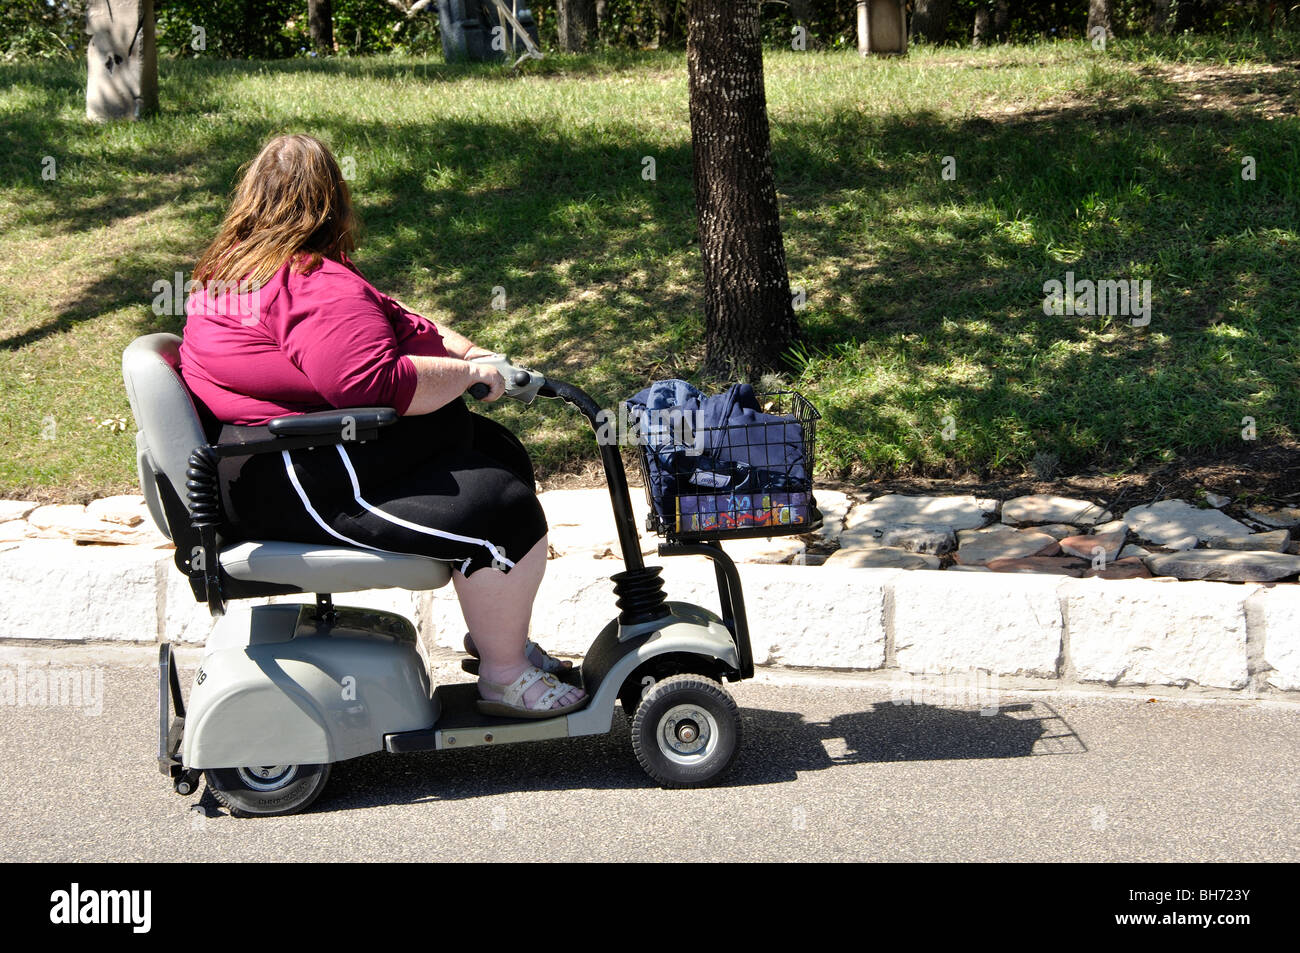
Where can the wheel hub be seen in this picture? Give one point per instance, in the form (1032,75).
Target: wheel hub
(268,777)
(686,733)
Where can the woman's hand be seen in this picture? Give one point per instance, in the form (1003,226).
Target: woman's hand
(487,374)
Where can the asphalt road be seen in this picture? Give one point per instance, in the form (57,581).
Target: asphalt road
(830,769)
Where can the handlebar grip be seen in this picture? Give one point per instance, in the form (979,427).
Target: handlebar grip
(479,391)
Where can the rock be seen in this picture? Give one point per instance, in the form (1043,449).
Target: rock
(957,567)
(1280,516)
(1086,546)
(126,510)
(835,507)
(956,512)
(1114,526)
(1279,610)
(979,548)
(11,530)
(1132,549)
(1057,565)
(1293,547)
(1130,568)
(581,522)
(1274,542)
(1043,508)
(1057,531)
(881,557)
(915,539)
(1224,565)
(1179,545)
(1217,500)
(1145,633)
(15,509)
(1169,520)
(778,549)
(67,521)
(945,622)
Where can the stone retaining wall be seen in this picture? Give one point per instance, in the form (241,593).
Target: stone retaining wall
(1238,639)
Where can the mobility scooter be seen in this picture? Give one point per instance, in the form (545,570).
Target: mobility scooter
(283,691)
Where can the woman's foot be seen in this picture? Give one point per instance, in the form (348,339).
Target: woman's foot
(536,656)
(528,691)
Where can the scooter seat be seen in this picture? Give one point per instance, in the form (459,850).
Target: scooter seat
(316,568)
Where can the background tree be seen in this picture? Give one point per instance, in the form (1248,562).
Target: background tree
(576,24)
(929,21)
(749,320)
(1099,16)
(320,22)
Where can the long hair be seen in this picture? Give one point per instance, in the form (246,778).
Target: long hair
(291,204)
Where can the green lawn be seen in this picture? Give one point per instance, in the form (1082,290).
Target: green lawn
(924,294)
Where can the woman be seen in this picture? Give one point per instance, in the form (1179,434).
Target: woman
(285,324)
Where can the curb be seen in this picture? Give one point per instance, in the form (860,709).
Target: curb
(1232,639)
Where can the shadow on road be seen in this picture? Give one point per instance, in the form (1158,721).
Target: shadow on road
(776,747)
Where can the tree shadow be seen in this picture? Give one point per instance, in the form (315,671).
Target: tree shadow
(601,277)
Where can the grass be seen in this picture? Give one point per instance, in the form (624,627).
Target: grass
(924,295)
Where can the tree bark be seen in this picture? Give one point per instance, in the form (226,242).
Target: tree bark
(1002,20)
(1098,16)
(930,21)
(983,32)
(576,22)
(121,60)
(749,320)
(320,21)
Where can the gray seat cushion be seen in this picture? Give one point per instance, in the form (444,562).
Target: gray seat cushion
(314,568)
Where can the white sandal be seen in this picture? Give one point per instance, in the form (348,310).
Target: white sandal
(512,703)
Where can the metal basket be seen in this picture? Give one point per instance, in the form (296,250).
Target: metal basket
(742,481)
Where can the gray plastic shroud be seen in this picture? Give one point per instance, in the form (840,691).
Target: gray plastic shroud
(276,687)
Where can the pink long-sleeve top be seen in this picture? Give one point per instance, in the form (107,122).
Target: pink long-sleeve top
(302,343)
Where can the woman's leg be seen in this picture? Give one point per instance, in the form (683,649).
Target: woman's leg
(497,608)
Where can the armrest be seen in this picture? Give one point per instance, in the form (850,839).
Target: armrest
(353,423)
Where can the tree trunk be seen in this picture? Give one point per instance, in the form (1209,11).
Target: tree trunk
(576,22)
(1098,16)
(749,320)
(930,21)
(320,21)
(121,60)
(983,27)
(1002,20)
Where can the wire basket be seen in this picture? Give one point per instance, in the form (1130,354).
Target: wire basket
(734,481)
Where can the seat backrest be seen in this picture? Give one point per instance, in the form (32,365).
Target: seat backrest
(166,415)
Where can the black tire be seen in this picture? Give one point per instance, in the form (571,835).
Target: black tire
(686,731)
(252,792)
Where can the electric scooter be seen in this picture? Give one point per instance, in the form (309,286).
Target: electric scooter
(285,691)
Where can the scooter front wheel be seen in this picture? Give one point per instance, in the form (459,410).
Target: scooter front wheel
(686,731)
(268,790)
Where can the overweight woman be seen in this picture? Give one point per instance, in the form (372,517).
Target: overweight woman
(284,323)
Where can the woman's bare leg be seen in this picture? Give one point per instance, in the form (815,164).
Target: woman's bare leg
(497,607)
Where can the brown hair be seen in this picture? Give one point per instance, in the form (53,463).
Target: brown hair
(291,204)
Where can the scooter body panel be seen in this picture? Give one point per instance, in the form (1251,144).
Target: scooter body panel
(615,655)
(278,686)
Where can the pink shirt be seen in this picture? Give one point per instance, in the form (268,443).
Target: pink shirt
(302,343)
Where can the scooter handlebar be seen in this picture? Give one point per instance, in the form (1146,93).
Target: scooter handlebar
(521,384)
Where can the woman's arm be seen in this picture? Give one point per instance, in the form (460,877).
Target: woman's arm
(442,379)
(460,346)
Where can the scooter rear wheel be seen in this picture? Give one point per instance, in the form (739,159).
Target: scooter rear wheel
(686,731)
(268,790)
